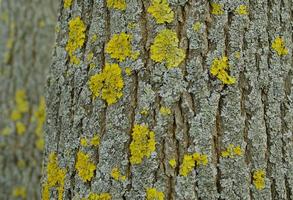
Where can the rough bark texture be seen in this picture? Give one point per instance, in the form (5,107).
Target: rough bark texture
(26,45)
(255,113)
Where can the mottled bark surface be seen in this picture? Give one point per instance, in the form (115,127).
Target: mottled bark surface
(255,113)
(26,45)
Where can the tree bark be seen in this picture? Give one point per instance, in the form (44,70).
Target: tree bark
(26,44)
(244,129)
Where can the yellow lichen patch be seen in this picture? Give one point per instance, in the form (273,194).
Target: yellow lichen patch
(116,4)
(15,115)
(217,9)
(218,69)
(197,26)
(131,25)
(161,11)
(21,101)
(94,38)
(143,143)
(83,142)
(154,194)
(242,10)
(232,151)
(20,128)
(119,47)
(90,56)
(102,196)
(189,162)
(165,48)
(84,166)
(67,3)
(165,111)
(172,163)
(19,192)
(237,54)
(40,116)
(76,39)
(259,179)
(144,111)
(128,71)
(55,178)
(116,174)
(6,131)
(279,46)
(187,165)
(108,84)
(95,141)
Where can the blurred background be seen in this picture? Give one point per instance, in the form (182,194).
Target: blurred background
(26,42)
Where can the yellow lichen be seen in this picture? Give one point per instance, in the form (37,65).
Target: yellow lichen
(55,178)
(83,142)
(189,162)
(84,166)
(165,48)
(165,111)
(116,174)
(172,163)
(217,9)
(102,196)
(119,47)
(40,117)
(259,179)
(67,3)
(6,131)
(94,38)
(19,192)
(143,143)
(128,71)
(218,69)
(76,39)
(108,84)
(95,141)
(232,151)
(20,128)
(21,101)
(117,4)
(197,26)
(144,111)
(242,10)
(154,194)
(237,54)
(90,56)
(161,11)
(279,46)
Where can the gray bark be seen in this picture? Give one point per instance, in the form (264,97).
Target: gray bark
(255,113)
(26,44)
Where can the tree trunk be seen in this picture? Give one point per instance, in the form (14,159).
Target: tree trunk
(26,44)
(217,105)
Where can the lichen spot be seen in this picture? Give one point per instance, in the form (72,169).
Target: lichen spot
(108,84)
(20,128)
(67,3)
(172,163)
(101,196)
(217,9)
(119,47)
(242,10)
(117,4)
(165,111)
(84,166)
(55,178)
(19,192)
(143,143)
(76,39)
(232,151)
(116,174)
(218,69)
(128,71)
(161,11)
(190,161)
(166,48)
(259,179)
(279,46)
(154,194)
(95,141)
(197,26)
